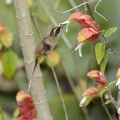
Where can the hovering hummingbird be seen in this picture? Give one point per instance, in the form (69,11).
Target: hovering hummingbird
(46,46)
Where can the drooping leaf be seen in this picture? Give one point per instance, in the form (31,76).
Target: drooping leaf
(109,101)
(104,63)
(110,31)
(9,61)
(99,52)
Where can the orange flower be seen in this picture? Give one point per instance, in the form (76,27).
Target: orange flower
(84,20)
(85,35)
(93,92)
(97,76)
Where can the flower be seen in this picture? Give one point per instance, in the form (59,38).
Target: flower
(84,20)
(26,106)
(82,101)
(97,76)
(85,35)
(91,92)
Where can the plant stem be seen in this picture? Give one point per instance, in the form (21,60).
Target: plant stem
(110,117)
(59,90)
(70,81)
(110,46)
(109,93)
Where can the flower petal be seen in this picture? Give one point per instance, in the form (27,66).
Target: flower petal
(82,101)
(84,20)
(97,76)
(79,46)
(87,34)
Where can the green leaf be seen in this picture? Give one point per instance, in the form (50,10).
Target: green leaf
(89,99)
(16,113)
(9,61)
(110,31)
(99,52)
(104,63)
(102,92)
(109,101)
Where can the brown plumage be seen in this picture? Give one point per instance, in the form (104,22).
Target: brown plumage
(46,45)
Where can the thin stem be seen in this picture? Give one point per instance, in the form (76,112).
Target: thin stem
(72,85)
(98,12)
(44,5)
(110,117)
(73,5)
(70,81)
(59,90)
(110,46)
(109,93)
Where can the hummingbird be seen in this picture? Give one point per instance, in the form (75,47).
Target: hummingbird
(46,46)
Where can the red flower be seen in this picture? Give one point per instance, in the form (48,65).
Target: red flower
(98,76)
(87,34)
(26,106)
(84,20)
(91,92)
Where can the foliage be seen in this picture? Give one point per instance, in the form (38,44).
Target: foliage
(97,56)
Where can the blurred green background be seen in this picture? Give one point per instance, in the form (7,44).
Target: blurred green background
(76,67)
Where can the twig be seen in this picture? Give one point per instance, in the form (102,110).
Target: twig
(110,46)
(73,5)
(98,12)
(110,117)
(70,81)
(59,90)
(113,101)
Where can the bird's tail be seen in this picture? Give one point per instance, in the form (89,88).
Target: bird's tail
(35,65)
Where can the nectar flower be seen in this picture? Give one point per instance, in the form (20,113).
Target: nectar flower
(84,20)
(91,92)
(85,35)
(26,105)
(82,101)
(97,76)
